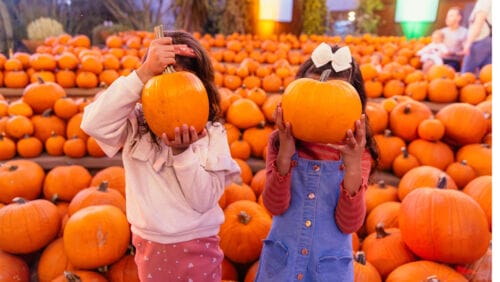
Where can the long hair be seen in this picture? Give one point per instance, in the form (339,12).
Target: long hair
(201,66)
(353,76)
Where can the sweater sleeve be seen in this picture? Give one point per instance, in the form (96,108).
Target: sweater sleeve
(351,209)
(203,180)
(276,195)
(106,118)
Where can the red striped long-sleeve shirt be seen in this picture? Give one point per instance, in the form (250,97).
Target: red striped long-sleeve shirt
(351,209)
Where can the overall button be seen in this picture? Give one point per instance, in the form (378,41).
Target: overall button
(316,167)
(311,196)
(308,223)
(300,276)
(304,251)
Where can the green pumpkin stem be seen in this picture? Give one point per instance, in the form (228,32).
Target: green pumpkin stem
(324,75)
(381,233)
(244,217)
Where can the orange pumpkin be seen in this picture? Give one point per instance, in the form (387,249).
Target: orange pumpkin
(96,236)
(114,175)
(480,189)
(364,270)
(242,233)
(444,225)
(385,249)
(42,95)
(66,181)
(424,176)
(321,111)
(96,195)
(21,222)
(424,270)
(13,268)
(167,106)
(20,178)
(53,261)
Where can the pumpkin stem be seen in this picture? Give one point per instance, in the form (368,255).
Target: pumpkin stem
(40,79)
(442,182)
(381,233)
(405,152)
(103,269)
(13,168)
(387,133)
(19,200)
(47,113)
(432,278)
(54,198)
(244,217)
(484,145)
(360,257)
(71,277)
(131,249)
(407,109)
(463,162)
(381,184)
(324,75)
(103,187)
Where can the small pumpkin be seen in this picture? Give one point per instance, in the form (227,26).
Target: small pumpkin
(364,270)
(7,148)
(167,107)
(42,95)
(96,195)
(53,261)
(321,111)
(13,268)
(20,178)
(423,270)
(242,233)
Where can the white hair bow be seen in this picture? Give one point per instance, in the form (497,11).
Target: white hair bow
(340,60)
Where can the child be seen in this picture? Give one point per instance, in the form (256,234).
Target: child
(433,53)
(173,186)
(316,191)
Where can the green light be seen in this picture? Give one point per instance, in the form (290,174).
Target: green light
(416,17)
(415,29)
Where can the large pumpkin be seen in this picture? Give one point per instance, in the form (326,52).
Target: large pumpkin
(321,111)
(444,225)
(96,236)
(173,99)
(28,226)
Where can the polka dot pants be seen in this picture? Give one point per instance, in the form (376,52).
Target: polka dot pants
(198,260)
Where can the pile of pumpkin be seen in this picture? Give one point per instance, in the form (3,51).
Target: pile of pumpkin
(246,60)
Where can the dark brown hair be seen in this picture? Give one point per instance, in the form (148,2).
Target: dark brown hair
(353,76)
(201,66)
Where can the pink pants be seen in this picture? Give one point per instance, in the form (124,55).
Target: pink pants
(193,261)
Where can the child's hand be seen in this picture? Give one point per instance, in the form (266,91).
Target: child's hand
(161,53)
(287,142)
(354,145)
(183,137)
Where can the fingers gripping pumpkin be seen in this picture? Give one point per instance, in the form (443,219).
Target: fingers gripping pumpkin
(321,111)
(172,99)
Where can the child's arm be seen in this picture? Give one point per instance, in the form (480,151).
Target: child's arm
(202,186)
(106,118)
(351,208)
(276,194)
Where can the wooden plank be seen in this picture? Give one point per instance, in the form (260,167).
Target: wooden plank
(71,92)
(49,162)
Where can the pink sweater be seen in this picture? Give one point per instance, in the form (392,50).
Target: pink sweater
(350,211)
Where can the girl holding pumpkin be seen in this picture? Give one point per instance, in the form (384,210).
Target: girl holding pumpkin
(173,185)
(315,191)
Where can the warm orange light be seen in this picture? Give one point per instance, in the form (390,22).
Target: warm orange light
(265,28)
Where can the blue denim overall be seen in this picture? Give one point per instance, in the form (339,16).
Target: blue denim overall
(304,243)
